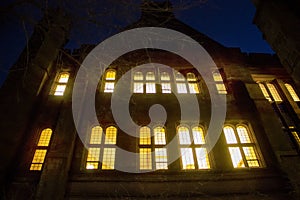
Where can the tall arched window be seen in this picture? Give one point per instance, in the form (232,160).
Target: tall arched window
(102,148)
(192,82)
(110,77)
(180,83)
(138,82)
(60,84)
(165,82)
(219,83)
(242,149)
(192,148)
(150,82)
(292,92)
(41,150)
(153,154)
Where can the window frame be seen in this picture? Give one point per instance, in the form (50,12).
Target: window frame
(58,83)
(109,83)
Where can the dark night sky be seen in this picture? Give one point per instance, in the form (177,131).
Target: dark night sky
(228,22)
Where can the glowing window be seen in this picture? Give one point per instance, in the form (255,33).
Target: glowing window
(111,135)
(109,83)
(150,76)
(217,77)
(184,135)
(41,150)
(274,92)
(38,160)
(191,151)
(138,76)
(296,136)
(138,88)
(159,135)
(219,83)
(181,88)
(179,77)
(161,158)
(150,87)
(221,88)
(60,84)
(241,148)
(193,87)
(264,91)
(145,135)
(45,137)
(165,76)
(198,135)
(191,77)
(108,158)
(292,92)
(187,158)
(101,146)
(166,87)
(145,159)
(96,135)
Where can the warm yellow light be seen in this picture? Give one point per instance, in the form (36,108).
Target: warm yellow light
(111,135)
(108,158)
(292,92)
(191,77)
(138,76)
(184,135)
(274,92)
(63,78)
(38,159)
(109,87)
(194,89)
(264,91)
(96,135)
(161,158)
(243,134)
(159,135)
(59,90)
(145,159)
(45,137)
(202,158)
(110,75)
(187,158)
(198,135)
(145,136)
(229,135)
(217,77)
(236,157)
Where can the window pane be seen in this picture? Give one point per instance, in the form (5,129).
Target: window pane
(138,88)
(45,137)
(145,158)
(202,158)
(217,77)
(96,135)
(221,88)
(274,92)
(250,156)
(138,76)
(145,135)
(198,135)
(166,87)
(179,76)
(38,159)
(63,78)
(91,165)
(243,134)
(59,90)
(181,88)
(36,167)
(93,154)
(236,157)
(292,92)
(150,76)
(264,91)
(161,158)
(193,88)
(165,76)
(229,135)
(184,135)
(191,77)
(150,88)
(109,87)
(296,136)
(109,158)
(111,135)
(159,135)
(187,158)
(110,75)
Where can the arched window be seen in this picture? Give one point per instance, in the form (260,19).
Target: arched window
(192,82)
(192,148)
(180,83)
(110,77)
(264,91)
(102,147)
(269,91)
(274,92)
(219,83)
(60,84)
(292,92)
(165,82)
(138,82)
(241,146)
(41,150)
(150,82)
(153,154)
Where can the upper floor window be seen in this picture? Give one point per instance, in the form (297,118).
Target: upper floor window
(192,148)
(192,82)
(101,147)
(292,92)
(153,154)
(219,83)
(270,92)
(150,82)
(241,146)
(41,150)
(60,84)
(110,77)
(165,82)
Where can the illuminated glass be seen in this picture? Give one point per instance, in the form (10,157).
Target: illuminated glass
(243,134)
(198,135)
(184,135)
(150,87)
(187,158)
(93,158)
(165,76)
(111,135)
(264,91)
(166,87)
(181,88)
(292,92)
(63,78)
(229,135)
(109,158)
(38,160)
(145,159)
(274,92)
(45,137)
(161,158)
(145,135)
(110,75)
(296,136)
(191,76)
(202,158)
(217,77)
(179,77)
(60,84)
(221,88)
(150,76)
(193,87)
(236,157)
(138,88)
(109,87)
(159,135)
(251,157)
(59,90)
(138,76)
(96,135)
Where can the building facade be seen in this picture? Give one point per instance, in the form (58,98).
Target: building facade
(255,157)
